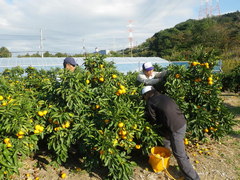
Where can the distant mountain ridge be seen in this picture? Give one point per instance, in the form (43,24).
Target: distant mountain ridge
(219,32)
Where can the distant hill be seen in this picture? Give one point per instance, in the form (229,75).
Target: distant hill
(221,33)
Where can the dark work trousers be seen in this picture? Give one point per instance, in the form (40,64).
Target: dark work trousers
(179,152)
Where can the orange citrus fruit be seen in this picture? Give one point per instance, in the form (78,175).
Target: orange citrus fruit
(9,145)
(45,112)
(37,127)
(36,131)
(121,124)
(6,140)
(114,76)
(41,128)
(210,82)
(87,81)
(210,79)
(137,146)
(20,137)
(67,124)
(162,154)
(124,133)
(124,137)
(101,79)
(120,91)
(21,133)
(63,175)
(40,113)
(1,98)
(194,63)
(122,87)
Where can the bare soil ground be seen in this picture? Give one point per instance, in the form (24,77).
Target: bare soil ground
(223,163)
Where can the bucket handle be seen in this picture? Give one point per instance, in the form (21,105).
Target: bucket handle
(165,169)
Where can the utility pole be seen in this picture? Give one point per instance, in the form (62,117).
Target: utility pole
(130,37)
(41,41)
(84,49)
(136,49)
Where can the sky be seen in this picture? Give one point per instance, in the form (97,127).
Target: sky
(79,26)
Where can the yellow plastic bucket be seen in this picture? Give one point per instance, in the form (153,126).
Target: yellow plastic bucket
(156,161)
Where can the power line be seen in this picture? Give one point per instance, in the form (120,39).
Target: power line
(155,9)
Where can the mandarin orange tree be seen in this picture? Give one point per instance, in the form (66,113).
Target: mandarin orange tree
(231,80)
(196,90)
(97,109)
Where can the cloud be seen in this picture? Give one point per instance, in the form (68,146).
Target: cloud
(71,24)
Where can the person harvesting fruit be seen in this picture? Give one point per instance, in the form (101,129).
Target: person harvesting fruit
(161,109)
(150,77)
(69,63)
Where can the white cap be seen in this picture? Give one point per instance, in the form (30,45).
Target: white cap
(148,66)
(146,89)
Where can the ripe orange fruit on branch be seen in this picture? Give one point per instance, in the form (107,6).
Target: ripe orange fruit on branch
(6,140)
(36,131)
(101,79)
(210,82)
(124,133)
(206,130)
(121,124)
(67,124)
(45,112)
(40,113)
(114,76)
(37,127)
(210,79)
(120,91)
(21,133)
(137,146)
(20,137)
(41,128)
(9,145)
(122,87)
(194,63)
(124,137)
